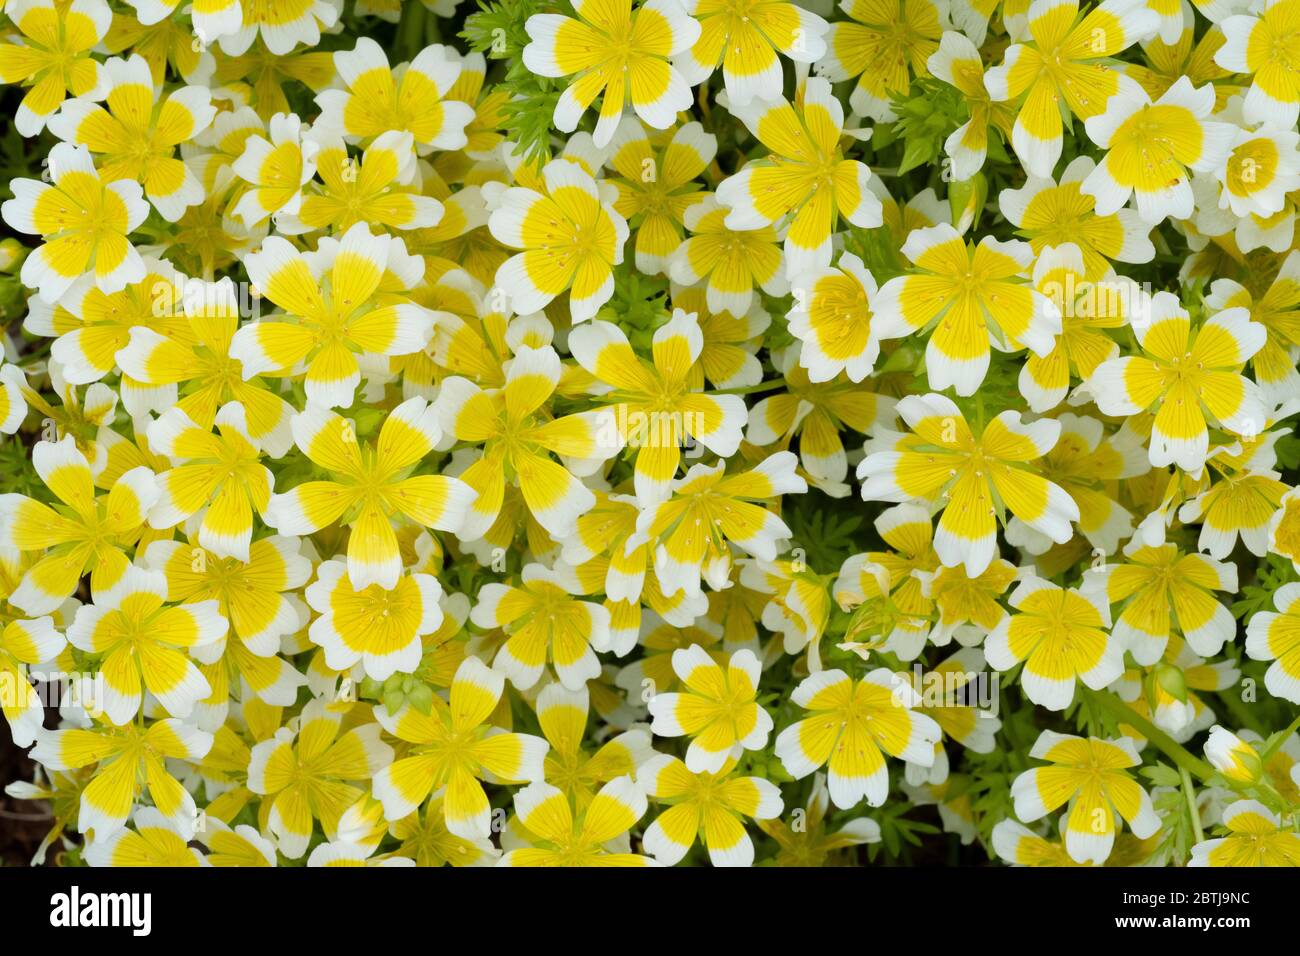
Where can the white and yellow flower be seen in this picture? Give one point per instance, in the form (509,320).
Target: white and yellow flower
(1276,637)
(143,644)
(969,298)
(84,219)
(453,748)
(832,316)
(1061,636)
(275,169)
(618,51)
(1189,372)
(745,39)
(709,806)
(851,723)
(343,300)
(1260,47)
(378,627)
(571,238)
(806,183)
(716,708)
(1151,149)
(136,137)
(1092,776)
(545,622)
(411,98)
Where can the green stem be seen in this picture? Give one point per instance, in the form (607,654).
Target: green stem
(1281,740)
(1179,754)
(1192,810)
(751,389)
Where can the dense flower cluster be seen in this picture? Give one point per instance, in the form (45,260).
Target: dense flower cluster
(598,432)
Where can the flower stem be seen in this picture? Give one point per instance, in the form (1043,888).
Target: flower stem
(751,389)
(1179,754)
(1192,809)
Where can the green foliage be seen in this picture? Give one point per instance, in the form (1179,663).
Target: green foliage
(497,31)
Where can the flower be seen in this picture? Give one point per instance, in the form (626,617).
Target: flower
(544,622)
(155,841)
(907,529)
(1263,167)
(968,298)
(84,219)
(560,839)
(1258,47)
(13,405)
(281,29)
(276,169)
(1253,837)
(1050,212)
(1232,756)
(1089,465)
(978,479)
(452,749)
(222,473)
(1240,503)
(807,842)
(339,301)
(710,806)
(54,58)
(376,626)
(745,39)
(426,839)
(957,62)
(369,484)
(1150,146)
(1162,589)
(806,182)
(656,189)
(141,641)
(1090,774)
(136,137)
(24,643)
(1060,634)
(214,19)
(130,759)
(717,708)
(372,190)
(1189,372)
(709,509)
(257,598)
(732,263)
(1057,72)
(571,238)
(195,360)
(81,533)
(563,715)
(1276,637)
(968,606)
(883,45)
(1277,309)
(816,412)
(850,724)
(302,775)
(832,316)
(376,101)
(652,408)
(1087,309)
(519,436)
(240,846)
(621,53)
(728,359)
